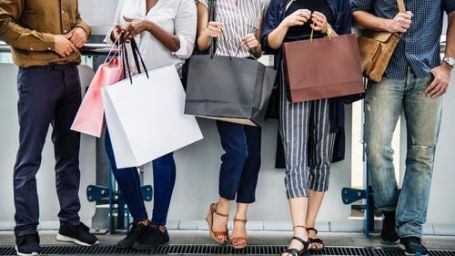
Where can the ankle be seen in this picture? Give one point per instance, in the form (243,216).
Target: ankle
(222,206)
(300,231)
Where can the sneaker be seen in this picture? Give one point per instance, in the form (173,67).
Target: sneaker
(78,234)
(413,246)
(28,245)
(152,238)
(133,235)
(389,234)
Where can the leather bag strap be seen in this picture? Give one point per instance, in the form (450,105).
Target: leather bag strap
(401,6)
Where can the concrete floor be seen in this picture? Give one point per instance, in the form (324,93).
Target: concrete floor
(256,237)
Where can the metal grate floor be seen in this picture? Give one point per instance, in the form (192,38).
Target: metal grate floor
(215,250)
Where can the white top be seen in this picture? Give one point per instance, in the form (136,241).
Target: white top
(178,17)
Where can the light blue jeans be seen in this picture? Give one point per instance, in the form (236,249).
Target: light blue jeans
(384,103)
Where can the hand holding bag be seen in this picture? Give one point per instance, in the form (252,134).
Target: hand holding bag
(376,49)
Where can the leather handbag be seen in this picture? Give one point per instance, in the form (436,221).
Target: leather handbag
(323,68)
(376,49)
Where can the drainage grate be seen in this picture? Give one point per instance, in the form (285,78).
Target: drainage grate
(217,250)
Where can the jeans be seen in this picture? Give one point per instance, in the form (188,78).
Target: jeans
(164,174)
(240,162)
(47,95)
(384,103)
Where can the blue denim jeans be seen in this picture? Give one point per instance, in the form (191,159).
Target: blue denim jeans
(384,103)
(164,174)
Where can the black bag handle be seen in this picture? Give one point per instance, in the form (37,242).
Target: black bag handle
(137,56)
(138,60)
(212,17)
(126,63)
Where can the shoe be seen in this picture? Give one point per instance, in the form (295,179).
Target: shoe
(296,252)
(239,240)
(153,237)
(78,234)
(214,234)
(28,245)
(315,241)
(413,246)
(389,234)
(136,231)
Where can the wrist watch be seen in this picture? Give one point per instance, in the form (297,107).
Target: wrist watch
(450,61)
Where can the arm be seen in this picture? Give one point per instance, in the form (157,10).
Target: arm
(270,23)
(137,26)
(298,18)
(80,33)
(363,15)
(185,28)
(17,36)
(81,24)
(440,83)
(252,41)
(450,44)
(206,30)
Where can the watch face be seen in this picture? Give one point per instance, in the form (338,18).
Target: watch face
(450,61)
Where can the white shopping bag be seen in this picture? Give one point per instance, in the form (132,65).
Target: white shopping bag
(146,119)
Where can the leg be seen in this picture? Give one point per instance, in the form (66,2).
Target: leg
(233,141)
(130,185)
(294,122)
(321,142)
(423,116)
(247,186)
(66,148)
(163,183)
(38,95)
(249,177)
(383,107)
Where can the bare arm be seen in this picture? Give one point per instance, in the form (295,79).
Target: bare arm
(450,44)
(206,30)
(366,20)
(298,18)
(137,26)
(441,74)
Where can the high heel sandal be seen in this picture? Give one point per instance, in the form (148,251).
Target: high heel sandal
(296,252)
(239,237)
(215,234)
(316,240)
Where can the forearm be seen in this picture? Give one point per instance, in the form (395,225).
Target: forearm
(450,43)
(276,37)
(257,52)
(203,42)
(369,21)
(81,24)
(23,38)
(168,40)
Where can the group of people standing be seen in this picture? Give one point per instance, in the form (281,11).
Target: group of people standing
(46,37)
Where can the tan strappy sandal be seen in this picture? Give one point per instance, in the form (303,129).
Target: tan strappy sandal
(235,238)
(215,234)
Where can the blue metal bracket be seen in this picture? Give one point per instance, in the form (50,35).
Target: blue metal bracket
(100,193)
(106,195)
(351,195)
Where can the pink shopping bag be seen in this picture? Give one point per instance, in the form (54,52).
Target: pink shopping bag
(90,117)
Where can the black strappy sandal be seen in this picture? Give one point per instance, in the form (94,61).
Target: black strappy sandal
(316,240)
(294,251)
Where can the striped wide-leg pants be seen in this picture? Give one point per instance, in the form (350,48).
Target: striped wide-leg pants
(308,144)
